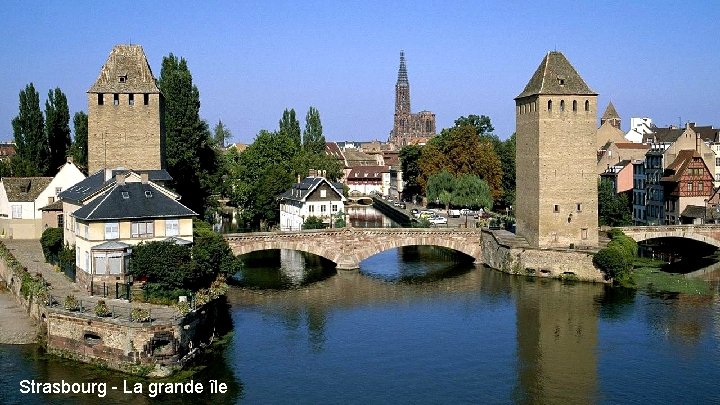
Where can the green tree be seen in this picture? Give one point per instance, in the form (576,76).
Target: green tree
(506,153)
(472,192)
(165,264)
(481,123)
(79,147)
(613,209)
(440,187)
(313,138)
(290,126)
(57,130)
(221,134)
(409,156)
(313,222)
(29,133)
(211,255)
(192,160)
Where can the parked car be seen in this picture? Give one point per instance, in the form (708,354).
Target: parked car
(396,203)
(454,214)
(438,220)
(402,206)
(427,214)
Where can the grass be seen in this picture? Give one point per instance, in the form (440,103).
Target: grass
(648,275)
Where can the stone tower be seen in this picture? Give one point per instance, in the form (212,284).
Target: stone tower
(610,115)
(556,203)
(125,108)
(402,100)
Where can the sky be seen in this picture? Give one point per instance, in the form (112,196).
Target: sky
(252,60)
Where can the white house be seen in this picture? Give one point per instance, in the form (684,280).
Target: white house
(22,198)
(313,196)
(369,179)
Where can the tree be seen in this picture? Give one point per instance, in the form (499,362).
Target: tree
(459,151)
(313,139)
(613,209)
(29,134)
(191,159)
(211,255)
(481,123)
(57,130)
(165,264)
(221,134)
(440,187)
(472,192)
(506,153)
(409,156)
(290,126)
(313,222)
(79,147)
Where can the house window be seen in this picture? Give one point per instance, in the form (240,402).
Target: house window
(100,100)
(116,99)
(146,99)
(562,105)
(574,105)
(549,105)
(311,208)
(144,229)
(60,220)
(86,227)
(689,187)
(16,211)
(700,186)
(717,161)
(172,227)
(131,99)
(587,105)
(334,208)
(583,233)
(112,230)
(578,207)
(323,208)
(323,193)
(556,208)
(51,200)
(58,190)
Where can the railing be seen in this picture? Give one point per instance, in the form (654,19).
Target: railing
(121,312)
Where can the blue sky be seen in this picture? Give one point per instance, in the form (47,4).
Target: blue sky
(251,60)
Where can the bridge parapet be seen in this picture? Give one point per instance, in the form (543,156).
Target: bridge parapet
(706,233)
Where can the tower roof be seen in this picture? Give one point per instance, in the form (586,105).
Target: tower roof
(402,72)
(125,71)
(556,76)
(610,112)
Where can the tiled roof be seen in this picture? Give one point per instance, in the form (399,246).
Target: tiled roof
(556,76)
(663,135)
(694,211)
(681,162)
(55,206)
(111,245)
(299,191)
(24,189)
(132,200)
(332,149)
(632,145)
(610,112)
(96,181)
(125,71)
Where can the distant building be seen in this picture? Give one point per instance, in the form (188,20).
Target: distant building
(556,152)
(613,153)
(125,128)
(369,179)
(406,125)
(639,127)
(688,186)
(23,198)
(7,150)
(312,196)
(609,130)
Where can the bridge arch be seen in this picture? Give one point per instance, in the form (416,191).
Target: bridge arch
(708,234)
(349,246)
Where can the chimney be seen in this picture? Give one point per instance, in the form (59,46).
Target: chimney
(312,173)
(120,179)
(69,159)
(108,174)
(298,178)
(144,178)
(323,173)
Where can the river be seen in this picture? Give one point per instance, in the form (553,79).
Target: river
(425,325)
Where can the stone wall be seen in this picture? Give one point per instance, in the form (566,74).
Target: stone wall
(574,264)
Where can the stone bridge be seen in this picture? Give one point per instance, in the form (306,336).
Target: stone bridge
(709,234)
(347,247)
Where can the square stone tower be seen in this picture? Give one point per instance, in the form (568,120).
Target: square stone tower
(556,183)
(125,107)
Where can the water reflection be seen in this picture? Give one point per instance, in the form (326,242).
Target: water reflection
(281,269)
(369,217)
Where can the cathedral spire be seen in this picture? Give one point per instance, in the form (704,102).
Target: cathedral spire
(402,72)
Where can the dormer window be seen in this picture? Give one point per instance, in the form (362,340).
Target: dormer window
(561,80)
(122,79)
(125,195)
(148,194)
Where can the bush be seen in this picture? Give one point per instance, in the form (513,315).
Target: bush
(138,314)
(52,243)
(101,309)
(313,222)
(71,303)
(614,262)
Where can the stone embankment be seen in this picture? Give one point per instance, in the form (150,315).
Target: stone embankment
(132,337)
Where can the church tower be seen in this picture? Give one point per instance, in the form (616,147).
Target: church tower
(611,115)
(401,125)
(125,106)
(556,183)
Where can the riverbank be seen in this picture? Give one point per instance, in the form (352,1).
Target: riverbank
(17,327)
